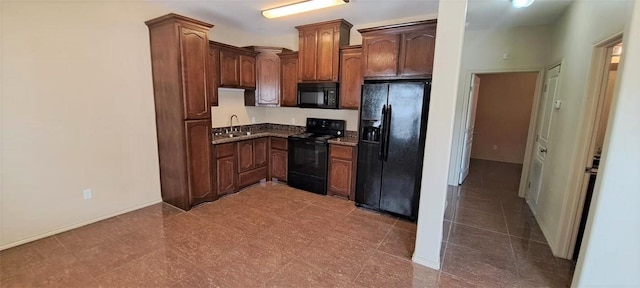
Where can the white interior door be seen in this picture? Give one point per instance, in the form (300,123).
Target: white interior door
(469,128)
(544,130)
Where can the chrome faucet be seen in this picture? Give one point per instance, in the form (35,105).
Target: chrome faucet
(231,121)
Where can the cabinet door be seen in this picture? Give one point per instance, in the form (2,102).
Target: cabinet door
(380,55)
(307,55)
(416,53)
(214,75)
(268,74)
(289,80)
(326,50)
(247,71)
(198,140)
(279,164)
(245,156)
(194,51)
(260,150)
(340,176)
(350,78)
(226,175)
(229,68)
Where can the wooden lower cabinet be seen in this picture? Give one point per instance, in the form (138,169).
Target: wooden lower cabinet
(226,171)
(342,171)
(278,161)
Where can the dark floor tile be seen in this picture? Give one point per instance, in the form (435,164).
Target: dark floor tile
(384,270)
(163,268)
(340,256)
(63,270)
(399,242)
(299,274)
(28,255)
(479,219)
(481,266)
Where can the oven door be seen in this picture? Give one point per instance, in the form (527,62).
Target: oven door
(308,157)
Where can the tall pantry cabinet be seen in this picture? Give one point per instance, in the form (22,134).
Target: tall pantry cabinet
(181,75)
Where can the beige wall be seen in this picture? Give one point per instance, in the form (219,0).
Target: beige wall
(77,113)
(575,35)
(528,49)
(502,117)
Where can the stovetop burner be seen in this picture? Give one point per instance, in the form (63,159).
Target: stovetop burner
(312,136)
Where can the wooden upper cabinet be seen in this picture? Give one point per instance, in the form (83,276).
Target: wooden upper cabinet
(194,44)
(229,68)
(288,79)
(237,66)
(247,71)
(381,55)
(401,51)
(268,76)
(326,50)
(214,75)
(319,44)
(416,57)
(350,77)
(308,54)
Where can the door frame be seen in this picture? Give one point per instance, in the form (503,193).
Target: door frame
(459,144)
(598,76)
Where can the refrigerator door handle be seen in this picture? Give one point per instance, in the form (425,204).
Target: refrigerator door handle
(382,138)
(387,132)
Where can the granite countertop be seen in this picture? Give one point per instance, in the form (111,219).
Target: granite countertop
(346,141)
(218,139)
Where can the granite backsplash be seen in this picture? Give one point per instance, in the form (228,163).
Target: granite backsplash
(256,128)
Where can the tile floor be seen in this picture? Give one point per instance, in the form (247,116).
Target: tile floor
(272,235)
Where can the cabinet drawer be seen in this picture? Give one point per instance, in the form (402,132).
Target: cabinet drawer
(341,151)
(224,150)
(278,143)
(251,177)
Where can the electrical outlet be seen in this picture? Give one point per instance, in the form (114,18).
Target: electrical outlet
(253,120)
(495,147)
(293,120)
(86,194)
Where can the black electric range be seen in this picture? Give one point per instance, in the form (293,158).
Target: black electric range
(308,154)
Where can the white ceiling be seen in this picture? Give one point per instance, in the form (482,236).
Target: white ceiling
(483,14)
(245,14)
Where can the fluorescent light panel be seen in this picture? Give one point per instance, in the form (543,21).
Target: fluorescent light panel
(521,3)
(301,7)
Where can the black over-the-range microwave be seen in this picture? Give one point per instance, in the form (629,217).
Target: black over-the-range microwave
(318,95)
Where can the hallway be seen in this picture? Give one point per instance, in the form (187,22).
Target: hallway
(492,238)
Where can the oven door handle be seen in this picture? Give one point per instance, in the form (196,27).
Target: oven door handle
(382,128)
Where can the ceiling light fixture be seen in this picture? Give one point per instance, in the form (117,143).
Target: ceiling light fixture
(521,3)
(301,7)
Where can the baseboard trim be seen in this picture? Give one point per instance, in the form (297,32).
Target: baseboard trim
(77,225)
(426,262)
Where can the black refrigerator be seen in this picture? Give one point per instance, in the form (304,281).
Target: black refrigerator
(392,129)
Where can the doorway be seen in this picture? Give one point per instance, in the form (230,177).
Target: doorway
(608,75)
(498,120)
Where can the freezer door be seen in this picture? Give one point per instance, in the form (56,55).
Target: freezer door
(368,175)
(402,167)
(374,99)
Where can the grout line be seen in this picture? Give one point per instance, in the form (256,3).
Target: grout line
(484,229)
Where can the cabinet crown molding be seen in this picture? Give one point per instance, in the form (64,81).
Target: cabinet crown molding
(327,23)
(398,27)
(175,17)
